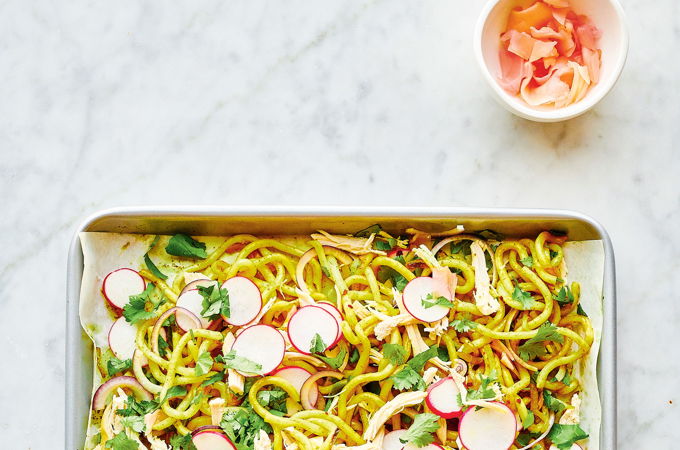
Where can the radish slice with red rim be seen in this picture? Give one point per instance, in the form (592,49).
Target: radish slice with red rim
(309,321)
(120,284)
(206,428)
(419,289)
(212,440)
(442,398)
(104,392)
(297,376)
(335,312)
(490,427)
(261,344)
(122,338)
(245,300)
(192,301)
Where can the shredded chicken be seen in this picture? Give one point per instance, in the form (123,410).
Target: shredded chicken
(388,323)
(156,443)
(437,328)
(486,303)
(217,406)
(304,298)
(262,441)
(385,412)
(458,230)
(430,375)
(572,415)
(356,245)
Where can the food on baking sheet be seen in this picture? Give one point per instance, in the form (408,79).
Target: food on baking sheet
(371,341)
(549,54)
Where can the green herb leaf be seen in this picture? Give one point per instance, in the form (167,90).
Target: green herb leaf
(418,362)
(382,245)
(122,442)
(152,267)
(335,361)
(137,408)
(580,311)
(420,432)
(528,420)
(429,302)
(242,426)
(274,400)
(232,361)
(407,378)
(115,365)
(368,231)
(354,356)
(528,261)
(566,379)
(215,301)
(135,423)
(552,403)
(523,439)
(387,273)
(564,296)
(523,297)
(162,346)
(182,442)
(186,246)
(463,325)
(485,391)
(203,364)
(318,345)
(534,347)
(136,309)
(219,376)
(564,436)
(394,353)
(462,246)
(174,391)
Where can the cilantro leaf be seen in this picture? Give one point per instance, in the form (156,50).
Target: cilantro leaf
(524,298)
(136,309)
(232,361)
(203,364)
(186,246)
(552,403)
(137,408)
(354,356)
(387,273)
(242,425)
(407,378)
(463,325)
(382,245)
(335,361)
(462,246)
(317,345)
(580,311)
(528,261)
(215,301)
(174,391)
(429,301)
(136,423)
(182,442)
(528,420)
(564,296)
(523,439)
(485,391)
(566,379)
(162,346)
(115,365)
(534,347)
(395,353)
(213,379)
(418,362)
(420,432)
(152,267)
(564,436)
(122,442)
(368,231)
(274,399)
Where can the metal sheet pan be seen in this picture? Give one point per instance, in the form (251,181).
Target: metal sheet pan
(219,220)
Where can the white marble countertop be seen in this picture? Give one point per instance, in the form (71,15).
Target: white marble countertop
(342,103)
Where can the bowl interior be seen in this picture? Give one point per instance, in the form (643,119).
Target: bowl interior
(607,15)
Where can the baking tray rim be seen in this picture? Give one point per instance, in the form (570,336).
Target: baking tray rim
(606,367)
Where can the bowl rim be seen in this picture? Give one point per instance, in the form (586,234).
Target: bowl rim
(561,114)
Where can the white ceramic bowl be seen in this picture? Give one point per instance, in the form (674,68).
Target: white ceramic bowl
(607,15)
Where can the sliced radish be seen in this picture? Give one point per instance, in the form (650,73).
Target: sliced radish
(206,428)
(488,428)
(120,284)
(104,392)
(205,282)
(262,344)
(297,376)
(191,300)
(416,291)
(212,440)
(335,312)
(122,338)
(245,300)
(309,321)
(442,398)
(392,442)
